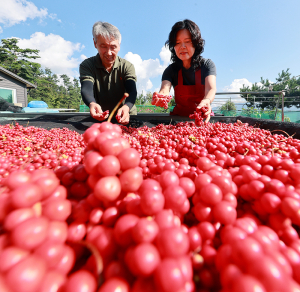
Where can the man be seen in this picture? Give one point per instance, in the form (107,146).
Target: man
(106,77)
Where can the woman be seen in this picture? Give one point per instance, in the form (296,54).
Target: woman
(193,77)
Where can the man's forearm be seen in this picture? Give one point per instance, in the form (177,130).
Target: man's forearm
(87,92)
(130,87)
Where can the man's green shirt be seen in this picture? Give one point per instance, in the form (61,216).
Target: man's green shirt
(109,87)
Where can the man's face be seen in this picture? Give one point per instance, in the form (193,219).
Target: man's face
(108,50)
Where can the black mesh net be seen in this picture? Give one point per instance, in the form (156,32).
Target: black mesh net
(80,122)
(289,128)
(77,122)
(9,107)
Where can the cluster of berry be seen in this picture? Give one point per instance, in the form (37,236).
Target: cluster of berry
(118,118)
(161,100)
(104,114)
(198,115)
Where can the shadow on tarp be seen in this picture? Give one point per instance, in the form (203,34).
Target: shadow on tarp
(81,121)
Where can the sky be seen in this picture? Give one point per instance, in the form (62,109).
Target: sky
(246,40)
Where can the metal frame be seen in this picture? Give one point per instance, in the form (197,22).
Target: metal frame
(281,93)
(160,116)
(249,92)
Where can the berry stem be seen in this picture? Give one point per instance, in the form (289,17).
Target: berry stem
(94,251)
(118,104)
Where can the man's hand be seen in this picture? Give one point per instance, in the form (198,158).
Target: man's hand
(205,103)
(123,115)
(96,112)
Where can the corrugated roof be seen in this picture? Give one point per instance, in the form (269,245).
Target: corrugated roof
(7,72)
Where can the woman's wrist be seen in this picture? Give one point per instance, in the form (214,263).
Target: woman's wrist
(210,101)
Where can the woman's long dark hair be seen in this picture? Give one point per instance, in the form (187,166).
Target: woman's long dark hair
(198,42)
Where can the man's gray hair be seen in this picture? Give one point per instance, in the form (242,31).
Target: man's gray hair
(106,30)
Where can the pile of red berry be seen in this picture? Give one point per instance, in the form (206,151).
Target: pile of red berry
(34,231)
(173,208)
(32,148)
(161,100)
(198,115)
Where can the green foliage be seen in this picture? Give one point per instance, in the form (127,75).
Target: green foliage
(227,106)
(140,100)
(150,109)
(73,94)
(18,60)
(172,102)
(144,99)
(270,113)
(57,92)
(56,95)
(258,113)
(284,81)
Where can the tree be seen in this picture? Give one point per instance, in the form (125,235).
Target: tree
(47,89)
(148,97)
(75,93)
(284,82)
(140,99)
(18,60)
(71,91)
(144,99)
(228,106)
(172,102)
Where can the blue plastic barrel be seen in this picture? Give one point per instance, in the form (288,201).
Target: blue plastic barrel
(37,104)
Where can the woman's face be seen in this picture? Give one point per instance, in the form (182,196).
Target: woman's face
(184,48)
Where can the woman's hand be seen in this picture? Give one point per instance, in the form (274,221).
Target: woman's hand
(206,103)
(161,100)
(210,91)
